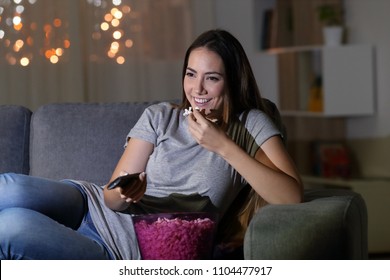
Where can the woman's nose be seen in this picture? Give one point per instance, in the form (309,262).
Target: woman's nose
(198,88)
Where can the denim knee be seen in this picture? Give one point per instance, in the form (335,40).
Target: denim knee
(13,219)
(7,178)
(15,191)
(11,180)
(14,225)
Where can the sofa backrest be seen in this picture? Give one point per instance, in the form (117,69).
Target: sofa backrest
(81,141)
(14,138)
(84,141)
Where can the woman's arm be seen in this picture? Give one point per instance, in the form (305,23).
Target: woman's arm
(271,173)
(133,160)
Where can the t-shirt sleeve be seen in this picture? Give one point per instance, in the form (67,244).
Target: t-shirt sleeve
(261,127)
(144,128)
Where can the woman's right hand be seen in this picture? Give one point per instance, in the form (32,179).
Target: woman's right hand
(134,159)
(134,191)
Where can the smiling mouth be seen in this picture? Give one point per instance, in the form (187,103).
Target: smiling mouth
(201,101)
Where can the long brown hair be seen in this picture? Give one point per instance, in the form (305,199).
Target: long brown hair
(242,95)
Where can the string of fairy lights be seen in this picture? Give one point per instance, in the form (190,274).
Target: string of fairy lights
(112,29)
(21,36)
(16,32)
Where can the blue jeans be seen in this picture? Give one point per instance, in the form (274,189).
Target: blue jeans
(44,219)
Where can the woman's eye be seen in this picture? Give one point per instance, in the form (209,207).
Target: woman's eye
(213,78)
(190,74)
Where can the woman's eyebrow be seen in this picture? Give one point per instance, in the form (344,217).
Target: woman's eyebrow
(208,73)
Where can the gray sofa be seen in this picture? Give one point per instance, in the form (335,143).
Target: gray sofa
(85,140)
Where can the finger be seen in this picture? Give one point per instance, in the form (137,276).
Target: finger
(138,197)
(131,190)
(137,192)
(199,115)
(206,119)
(142,176)
(193,125)
(214,116)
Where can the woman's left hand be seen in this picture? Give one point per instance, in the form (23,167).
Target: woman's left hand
(205,132)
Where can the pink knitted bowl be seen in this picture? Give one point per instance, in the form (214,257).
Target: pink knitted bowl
(175,236)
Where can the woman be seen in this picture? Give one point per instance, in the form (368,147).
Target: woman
(198,162)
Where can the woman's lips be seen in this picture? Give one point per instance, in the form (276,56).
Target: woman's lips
(200,102)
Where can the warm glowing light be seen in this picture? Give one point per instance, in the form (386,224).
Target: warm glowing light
(115,46)
(59,51)
(66,44)
(54,59)
(17,1)
(30,41)
(18,45)
(126,9)
(112,20)
(2,33)
(113,11)
(108,17)
(118,14)
(120,60)
(49,53)
(115,22)
(111,54)
(16,20)
(57,22)
(129,43)
(104,26)
(47,28)
(18,26)
(116,2)
(11,60)
(24,61)
(117,35)
(33,26)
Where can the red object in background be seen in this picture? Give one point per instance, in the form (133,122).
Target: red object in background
(332,160)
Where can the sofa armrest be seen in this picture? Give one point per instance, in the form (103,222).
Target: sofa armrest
(329,224)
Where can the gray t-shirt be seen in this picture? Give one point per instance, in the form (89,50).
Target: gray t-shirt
(179,164)
(179,172)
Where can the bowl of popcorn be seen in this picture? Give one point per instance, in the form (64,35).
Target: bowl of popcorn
(175,236)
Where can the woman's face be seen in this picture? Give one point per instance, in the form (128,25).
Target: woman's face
(204,80)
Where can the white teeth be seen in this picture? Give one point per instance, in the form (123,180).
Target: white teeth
(201,100)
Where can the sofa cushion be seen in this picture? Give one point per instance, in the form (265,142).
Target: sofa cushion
(14,138)
(81,141)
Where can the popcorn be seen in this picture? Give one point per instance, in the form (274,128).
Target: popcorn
(213,116)
(175,239)
(188,111)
